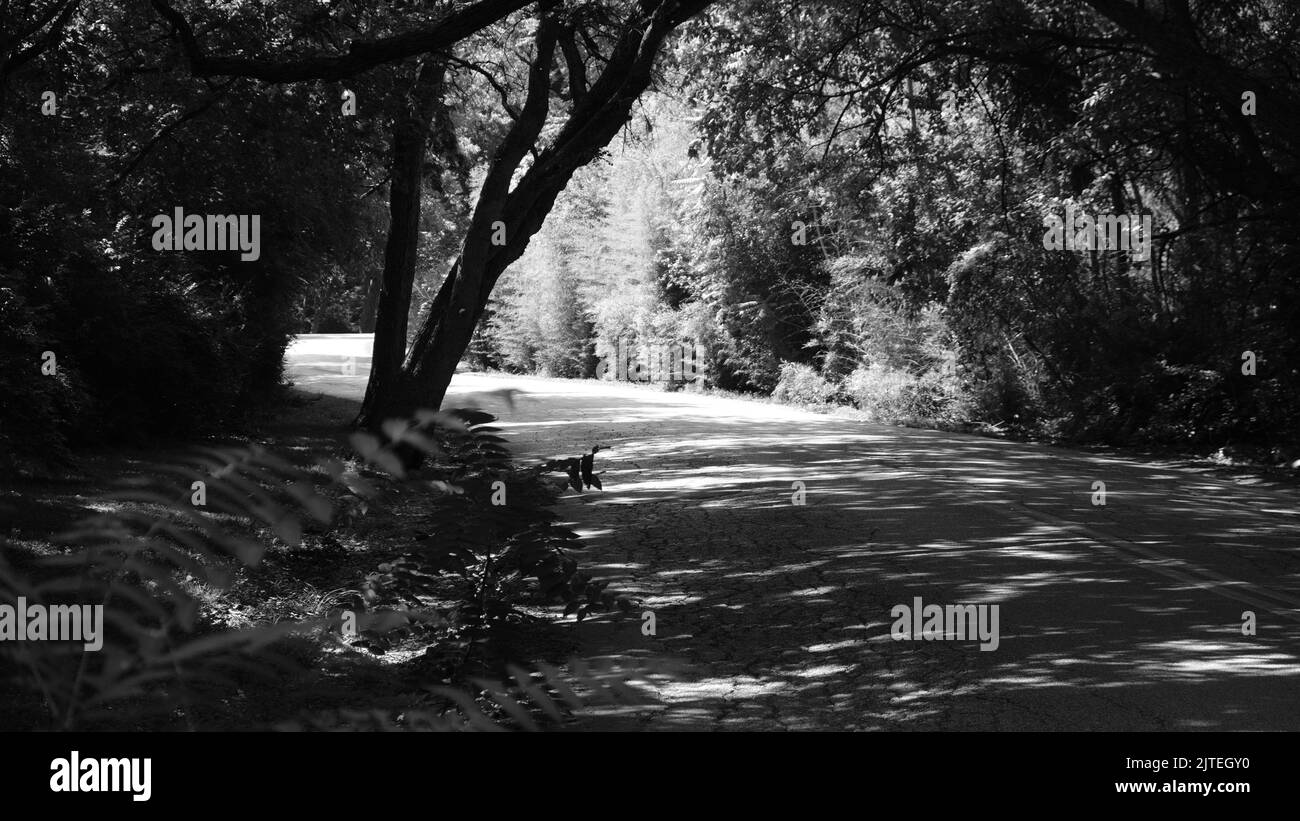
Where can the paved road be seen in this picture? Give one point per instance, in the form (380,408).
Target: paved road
(1126,616)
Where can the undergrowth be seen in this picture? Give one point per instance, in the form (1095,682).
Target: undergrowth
(485,551)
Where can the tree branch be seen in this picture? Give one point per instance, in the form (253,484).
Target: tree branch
(169,129)
(501,90)
(17,60)
(361,55)
(573,60)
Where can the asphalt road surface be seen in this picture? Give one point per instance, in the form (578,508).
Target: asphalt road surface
(1122,616)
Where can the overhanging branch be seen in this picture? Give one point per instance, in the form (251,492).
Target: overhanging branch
(361,55)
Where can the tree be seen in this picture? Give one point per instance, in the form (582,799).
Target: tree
(922,145)
(151,342)
(597,111)
(423,105)
(28,34)
(406,175)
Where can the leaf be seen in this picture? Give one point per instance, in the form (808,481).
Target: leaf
(472,416)
(317,506)
(388,460)
(289,529)
(360,487)
(557,682)
(250,553)
(535,692)
(366,444)
(395,429)
(422,442)
(468,708)
(509,704)
(443,419)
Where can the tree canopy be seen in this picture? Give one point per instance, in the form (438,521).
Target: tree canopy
(843,200)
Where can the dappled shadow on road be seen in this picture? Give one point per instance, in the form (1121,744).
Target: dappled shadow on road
(1126,615)
(1122,616)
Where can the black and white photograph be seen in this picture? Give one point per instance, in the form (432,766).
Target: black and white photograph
(650,366)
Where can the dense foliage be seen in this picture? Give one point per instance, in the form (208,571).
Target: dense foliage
(99,137)
(165,557)
(846,202)
(846,190)
(924,147)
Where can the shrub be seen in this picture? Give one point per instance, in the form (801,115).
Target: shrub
(155,562)
(897,396)
(152,353)
(332,319)
(800,384)
(149,565)
(489,557)
(37,409)
(881,392)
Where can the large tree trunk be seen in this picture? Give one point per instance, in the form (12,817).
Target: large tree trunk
(410,139)
(597,115)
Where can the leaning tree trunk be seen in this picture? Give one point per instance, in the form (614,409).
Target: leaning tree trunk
(597,115)
(410,139)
